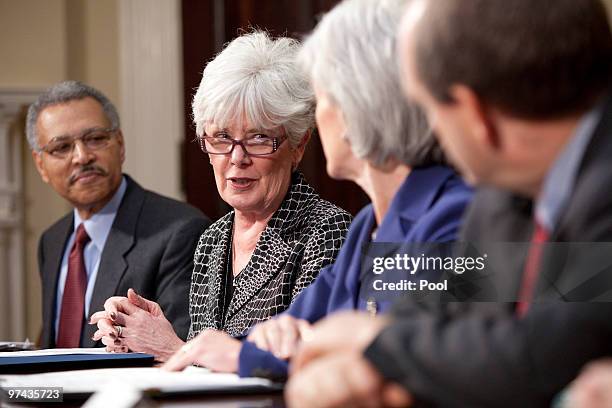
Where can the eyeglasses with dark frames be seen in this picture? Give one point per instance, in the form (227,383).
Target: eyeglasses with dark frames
(256,146)
(93,139)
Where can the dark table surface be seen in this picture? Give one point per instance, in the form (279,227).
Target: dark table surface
(273,400)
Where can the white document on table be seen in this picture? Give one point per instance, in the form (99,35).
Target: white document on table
(192,379)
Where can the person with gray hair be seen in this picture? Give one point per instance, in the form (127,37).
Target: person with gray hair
(254,114)
(64,92)
(373,138)
(118,236)
(519,93)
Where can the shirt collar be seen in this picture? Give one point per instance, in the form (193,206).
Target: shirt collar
(418,191)
(559,181)
(414,197)
(99,225)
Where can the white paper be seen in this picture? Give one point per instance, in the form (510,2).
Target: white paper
(142,378)
(115,395)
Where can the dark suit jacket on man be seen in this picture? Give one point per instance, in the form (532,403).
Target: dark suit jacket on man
(149,248)
(480,354)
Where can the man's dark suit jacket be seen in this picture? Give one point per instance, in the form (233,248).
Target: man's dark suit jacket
(149,248)
(479,354)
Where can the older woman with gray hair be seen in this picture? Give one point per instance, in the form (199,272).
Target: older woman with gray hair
(254,113)
(371,136)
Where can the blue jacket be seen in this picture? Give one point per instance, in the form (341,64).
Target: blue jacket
(428,207)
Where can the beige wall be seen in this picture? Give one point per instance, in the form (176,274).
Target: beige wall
(43,42)
(93,45)
(33,42)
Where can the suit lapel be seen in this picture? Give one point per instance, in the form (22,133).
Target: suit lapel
(597,152)
(414,198)
(55,242)
(113,263)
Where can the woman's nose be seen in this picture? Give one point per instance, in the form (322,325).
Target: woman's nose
(239,156)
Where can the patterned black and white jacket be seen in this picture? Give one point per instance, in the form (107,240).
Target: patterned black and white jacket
(303,236)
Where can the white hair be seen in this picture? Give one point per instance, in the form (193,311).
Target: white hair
(352,57)
(256,78)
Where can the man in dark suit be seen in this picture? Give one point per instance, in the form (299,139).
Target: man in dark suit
(526,109)
(118,236)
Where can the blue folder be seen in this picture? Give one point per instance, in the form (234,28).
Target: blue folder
(64,362)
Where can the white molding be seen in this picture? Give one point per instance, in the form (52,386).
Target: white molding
(12,229)
(13,99)
(151,91)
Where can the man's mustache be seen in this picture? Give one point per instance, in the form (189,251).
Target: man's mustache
(89,168)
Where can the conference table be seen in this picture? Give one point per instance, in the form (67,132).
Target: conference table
(117,377)
(273,400)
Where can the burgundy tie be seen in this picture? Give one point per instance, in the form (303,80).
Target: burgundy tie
(73,301)
(532,268)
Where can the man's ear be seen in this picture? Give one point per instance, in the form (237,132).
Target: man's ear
(121,144)
(37,157)
(476,115)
